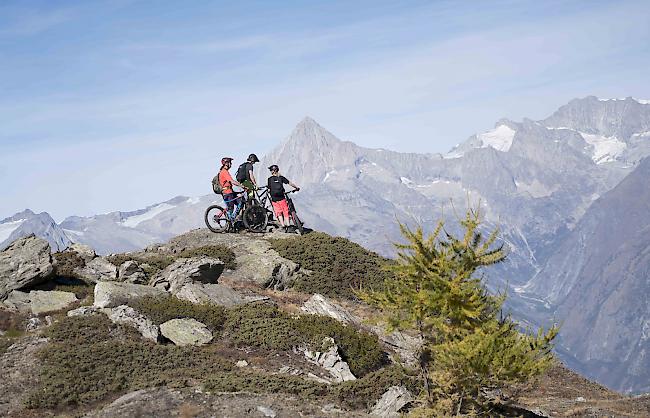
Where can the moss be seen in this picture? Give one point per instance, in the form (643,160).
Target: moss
(270,328)
(338,265)
(66,263)
(261,383)
(221,252)
(364,392)
(89,358)
(162,309)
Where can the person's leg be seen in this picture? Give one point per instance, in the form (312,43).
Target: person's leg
(284,210)
(229,200)
(277,208)
(250,188)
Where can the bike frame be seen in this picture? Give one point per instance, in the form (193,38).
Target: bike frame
(233,215)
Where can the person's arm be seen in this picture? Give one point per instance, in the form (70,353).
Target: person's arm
(252,177)
(292,185)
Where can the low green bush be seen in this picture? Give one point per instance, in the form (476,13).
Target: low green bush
(339,266)
(270,328)
(223,253)
(264,383)
(66,262)
(364,392)
(90,358)
(162,309)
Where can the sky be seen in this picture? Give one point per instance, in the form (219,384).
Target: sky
(117,105)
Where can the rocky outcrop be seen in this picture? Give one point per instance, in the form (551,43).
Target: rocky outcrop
(111,294)
(406,346)
(85,252)
(330,360)
(186,331)
(256,261)
(188,270)
(320,305)
(26,262)
(127,315)
(97,270)
(131,272)
(392,402)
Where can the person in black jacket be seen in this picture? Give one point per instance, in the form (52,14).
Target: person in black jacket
(276,184)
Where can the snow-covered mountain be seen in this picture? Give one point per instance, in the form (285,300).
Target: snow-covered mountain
(27,222)
(128,231)
(535,180)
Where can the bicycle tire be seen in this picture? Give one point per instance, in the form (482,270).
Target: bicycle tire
(216,219)
(297,222)
(255,218)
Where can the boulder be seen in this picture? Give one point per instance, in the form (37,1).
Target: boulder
(406,346)
(25,262)
(320,305)
(17,301)
(131,272)
(42,301)
(84,252)
(186,331)
(127,315)
(216,294)
(39,301)
(188,270)
(391,402)
(330,360)
(97,270)
(111,294)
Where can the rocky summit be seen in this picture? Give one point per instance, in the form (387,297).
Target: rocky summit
(223,325)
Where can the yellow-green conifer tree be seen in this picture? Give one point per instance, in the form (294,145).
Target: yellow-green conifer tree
(469,348)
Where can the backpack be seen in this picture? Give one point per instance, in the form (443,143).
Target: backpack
(216,185)
(242,175)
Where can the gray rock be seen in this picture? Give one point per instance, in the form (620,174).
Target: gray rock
(391,402)
(320,305)
(83,311)
(406,346)
(111,294)
(42,301)
(97,270)
(267,412)
(186,331)
(216,294)
(241,363)
(25,262)
(85,252)
(17,301)
(188,270)
(127,315)
(131,272)
(330,360)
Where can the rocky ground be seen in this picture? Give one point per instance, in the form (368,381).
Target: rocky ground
(217,325)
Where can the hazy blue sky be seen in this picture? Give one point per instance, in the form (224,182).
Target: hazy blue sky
(116,105)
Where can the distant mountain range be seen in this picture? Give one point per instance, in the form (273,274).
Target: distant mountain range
(559,189)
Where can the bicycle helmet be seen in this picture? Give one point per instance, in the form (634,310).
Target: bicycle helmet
(225,160)
(253,158)
(274,167)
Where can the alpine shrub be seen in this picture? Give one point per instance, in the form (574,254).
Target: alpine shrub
(339,266)
(163,309)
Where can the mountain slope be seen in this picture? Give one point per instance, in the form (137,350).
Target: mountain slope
(600,279)
(27,222)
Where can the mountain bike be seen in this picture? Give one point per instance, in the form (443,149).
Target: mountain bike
(218,219)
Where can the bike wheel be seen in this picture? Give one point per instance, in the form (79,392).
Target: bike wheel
(216,219)
(297,222)
(255,218)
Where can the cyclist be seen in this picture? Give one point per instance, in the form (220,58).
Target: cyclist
(276,184)
(226,181)
(245,175)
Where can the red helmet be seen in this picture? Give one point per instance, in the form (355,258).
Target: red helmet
(225,160)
